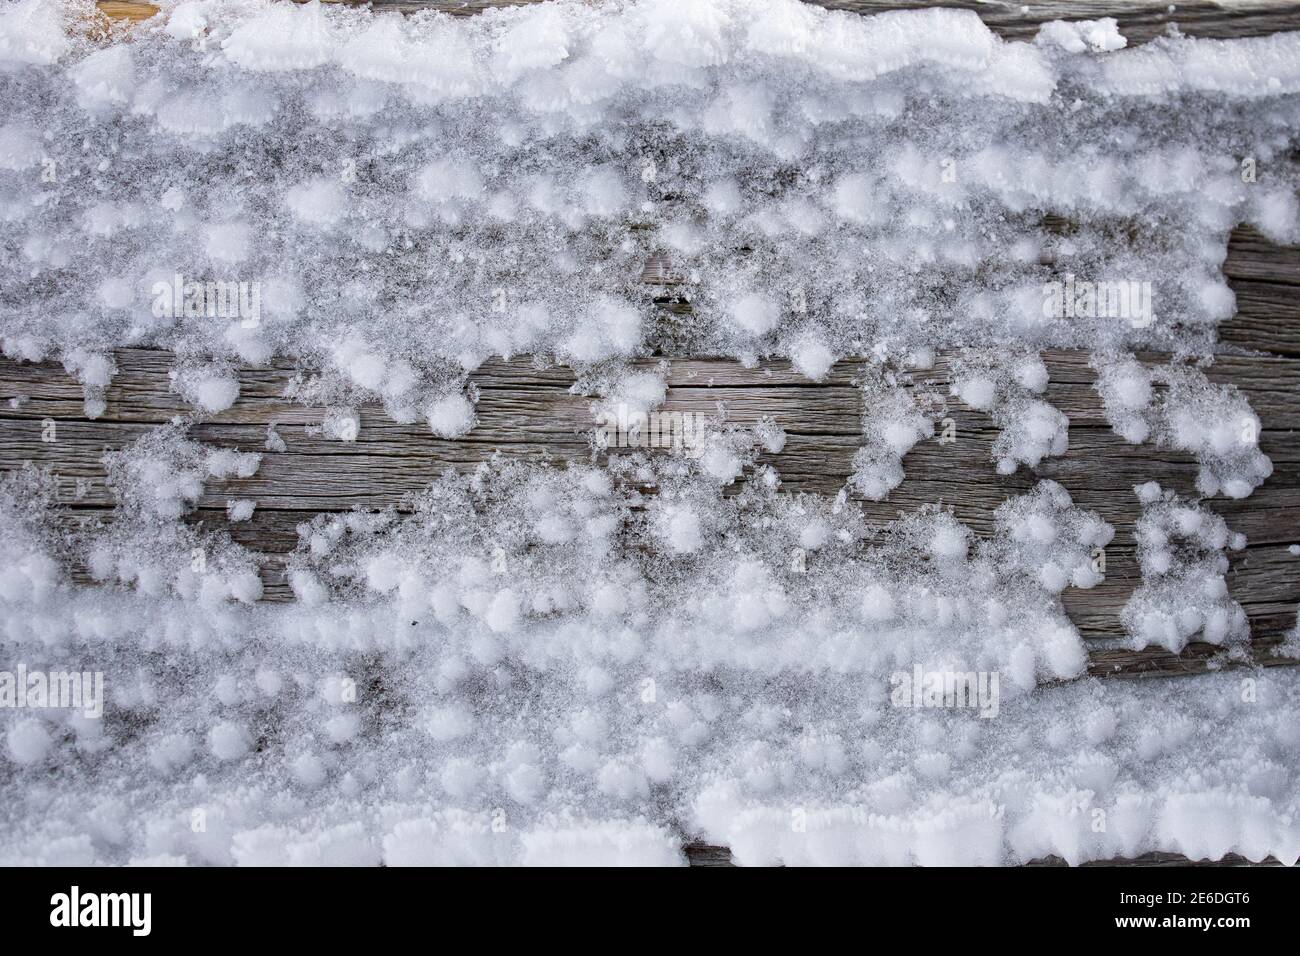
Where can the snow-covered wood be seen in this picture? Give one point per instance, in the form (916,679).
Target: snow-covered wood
(528,410)
(531,412)
(1139,22)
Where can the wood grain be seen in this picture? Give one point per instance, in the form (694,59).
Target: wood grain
(532,414)
(126,9)
(703,854)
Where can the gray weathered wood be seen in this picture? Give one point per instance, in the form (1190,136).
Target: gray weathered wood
(702,854)
(533,414)
(527,409)
(1140,21)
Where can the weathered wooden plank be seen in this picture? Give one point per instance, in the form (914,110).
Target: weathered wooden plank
(1139,21)
(1267,319)
(703,854)
(1195,659)
(1252,257)
(140,392)
(533,414)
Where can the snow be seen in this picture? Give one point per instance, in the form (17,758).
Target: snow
(228,741)
(1097,36)
(28,742)
(451,417)
(892,425)
(535,665)
(623,738)
(212,393)
(240,509)
(31,34)
(1004,385)
(1184,592)
(420,140)
(1190,413)
(755,314)
(813,359)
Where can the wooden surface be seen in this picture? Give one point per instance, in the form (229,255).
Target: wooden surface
(1139,21)
(528,412)
(702,854)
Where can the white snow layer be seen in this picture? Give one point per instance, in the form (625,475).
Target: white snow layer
(829,184)
(542,666)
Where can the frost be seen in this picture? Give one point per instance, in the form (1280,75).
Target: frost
(28,742)
(892,425)
(535,665)
(1004,386)
(1188,413)
(32,33)
(522,169)
(240,509)
(551,570)
(451,417)
(1184,594)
